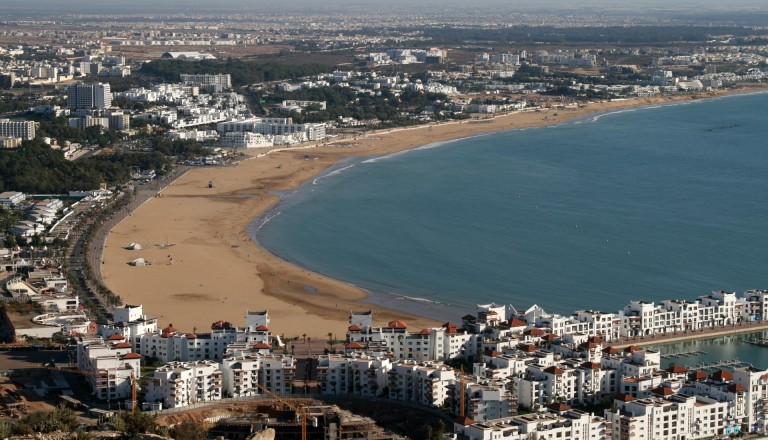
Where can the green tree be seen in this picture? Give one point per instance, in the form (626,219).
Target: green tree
(136,423)
(188,431)
(60,419)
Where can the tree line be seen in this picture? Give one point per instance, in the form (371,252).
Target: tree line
(243,72)
(37,168)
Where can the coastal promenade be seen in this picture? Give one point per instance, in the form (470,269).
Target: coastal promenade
(678,336)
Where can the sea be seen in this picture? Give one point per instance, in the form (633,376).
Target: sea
(652,203)
(649,203)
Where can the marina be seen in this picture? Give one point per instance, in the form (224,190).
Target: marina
(682,354)
(709,367)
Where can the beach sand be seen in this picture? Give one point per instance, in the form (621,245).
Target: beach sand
(212,271)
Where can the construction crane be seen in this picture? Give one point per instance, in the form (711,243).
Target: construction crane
(460,373)
(300,410)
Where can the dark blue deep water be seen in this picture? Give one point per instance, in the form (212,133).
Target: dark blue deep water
(651,203)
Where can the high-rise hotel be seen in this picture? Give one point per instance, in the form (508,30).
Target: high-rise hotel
(89,96)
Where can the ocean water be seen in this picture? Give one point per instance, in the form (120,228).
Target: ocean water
(651,203)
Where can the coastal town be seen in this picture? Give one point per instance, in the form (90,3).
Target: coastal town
(136,150)
(542,366)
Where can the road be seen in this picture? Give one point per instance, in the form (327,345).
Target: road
(104,221)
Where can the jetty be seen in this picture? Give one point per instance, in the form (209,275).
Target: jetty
(718,365)
(758,342)
(682,354)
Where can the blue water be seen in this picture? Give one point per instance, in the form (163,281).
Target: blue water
(715,350)
(652,203)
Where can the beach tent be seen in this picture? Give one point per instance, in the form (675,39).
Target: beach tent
(134,247)
(138,262)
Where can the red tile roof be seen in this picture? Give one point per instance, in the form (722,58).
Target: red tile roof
(595,339)
(122,345)
(425,332)
(261,346)
(517,323)
(116,337)
(397,324)
(735,388)
(191,336)
(677,369)
(663,391)
(354,328)
(698,375)
(463,421)
(624,397)
(221,325)
(262,328)
(721,376)
(131,356)
(590,365)
(558,407)
(553,370)
(354,346)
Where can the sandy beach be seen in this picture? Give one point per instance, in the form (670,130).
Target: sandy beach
(205,267)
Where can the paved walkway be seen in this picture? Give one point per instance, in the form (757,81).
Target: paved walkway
(742,327)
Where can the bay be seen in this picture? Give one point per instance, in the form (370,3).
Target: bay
(650,203)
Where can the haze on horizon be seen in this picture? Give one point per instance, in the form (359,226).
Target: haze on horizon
(39,7)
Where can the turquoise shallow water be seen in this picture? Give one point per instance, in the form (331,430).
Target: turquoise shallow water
(651,203)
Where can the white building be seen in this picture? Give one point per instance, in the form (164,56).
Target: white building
(12,198)
(88,96)
(108,366)
(354,374)
(17,129)
(245,139)
(129,321)
(274,127)
(209,82)
(252,375)
(568,424)
(422,383)
(179,384)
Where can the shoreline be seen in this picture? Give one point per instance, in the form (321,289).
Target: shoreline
(206,267)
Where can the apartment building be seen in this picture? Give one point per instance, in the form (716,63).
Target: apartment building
(108,366)
(567,424)
(274,127)
(169,344)
(89,96)
(254,375)
(17,129)
(355,374)
(214,83)
(421,383)
(179,384)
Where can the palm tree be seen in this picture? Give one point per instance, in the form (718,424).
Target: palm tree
(305,337)
(309,345)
